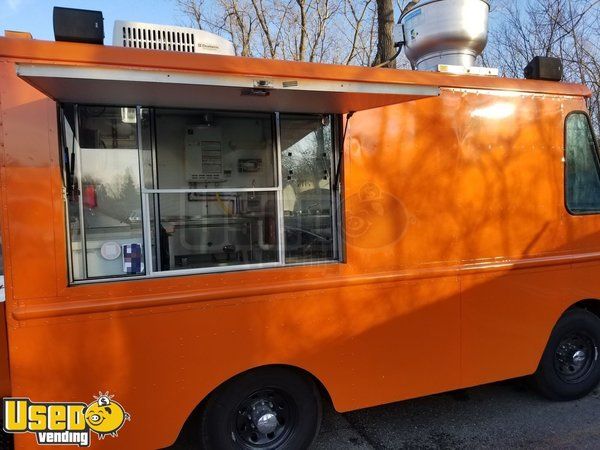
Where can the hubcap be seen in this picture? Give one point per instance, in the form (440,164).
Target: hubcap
(575,357)
(264,419)
(579,357)
(267,423)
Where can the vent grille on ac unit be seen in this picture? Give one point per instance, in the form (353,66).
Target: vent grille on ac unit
(170,38)
(158,39)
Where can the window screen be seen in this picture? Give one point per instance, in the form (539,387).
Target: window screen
(582,166)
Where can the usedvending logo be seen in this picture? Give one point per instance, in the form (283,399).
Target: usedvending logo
(65,423)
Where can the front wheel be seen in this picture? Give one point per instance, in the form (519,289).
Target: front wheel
(268,408)
(569,368)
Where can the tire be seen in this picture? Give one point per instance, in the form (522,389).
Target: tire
(569,368)
(267,408)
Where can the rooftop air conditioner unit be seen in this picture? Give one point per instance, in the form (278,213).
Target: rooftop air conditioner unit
(170,38)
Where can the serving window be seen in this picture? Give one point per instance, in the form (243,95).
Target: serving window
(157,191)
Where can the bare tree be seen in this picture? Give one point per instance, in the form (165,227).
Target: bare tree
(239,23)
(360,18)
(194,11)
(385,31)
(266,24)
(336,31)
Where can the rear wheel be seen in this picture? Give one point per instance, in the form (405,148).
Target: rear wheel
(270,408)
(569,368)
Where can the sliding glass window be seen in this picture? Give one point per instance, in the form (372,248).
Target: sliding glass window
(105,220)
(220,190)
(216,190)
(308,206)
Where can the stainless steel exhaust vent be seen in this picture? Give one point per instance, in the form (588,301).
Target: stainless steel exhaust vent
(451,32)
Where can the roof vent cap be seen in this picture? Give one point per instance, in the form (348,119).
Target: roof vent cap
(444,32)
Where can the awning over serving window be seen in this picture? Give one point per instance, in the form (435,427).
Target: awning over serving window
(124,86)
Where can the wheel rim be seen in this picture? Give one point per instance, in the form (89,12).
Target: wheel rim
(575,357)
(264,419)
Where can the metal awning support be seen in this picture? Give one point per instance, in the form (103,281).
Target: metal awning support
(148,87)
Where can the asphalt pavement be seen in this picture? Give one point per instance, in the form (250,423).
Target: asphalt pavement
(502,415)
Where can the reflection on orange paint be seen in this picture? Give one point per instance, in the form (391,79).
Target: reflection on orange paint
(459,255)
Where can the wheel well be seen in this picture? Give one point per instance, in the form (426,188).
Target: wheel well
(187,434)
(592,305)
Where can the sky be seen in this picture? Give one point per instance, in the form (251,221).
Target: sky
(35,16)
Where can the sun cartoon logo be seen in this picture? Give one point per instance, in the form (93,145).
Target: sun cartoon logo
(105,416)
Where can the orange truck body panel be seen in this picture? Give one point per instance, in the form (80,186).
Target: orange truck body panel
(464,259)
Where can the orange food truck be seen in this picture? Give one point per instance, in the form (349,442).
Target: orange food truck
(217,244)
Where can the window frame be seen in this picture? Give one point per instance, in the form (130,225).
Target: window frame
(62,144)
(335,192)
(77,171)
(565,168)
(150,243)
